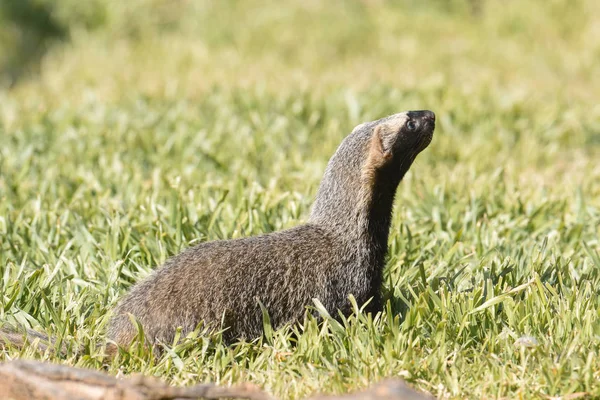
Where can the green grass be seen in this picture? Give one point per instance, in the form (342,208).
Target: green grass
(137,140)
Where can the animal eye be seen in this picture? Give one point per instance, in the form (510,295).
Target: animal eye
(411,125)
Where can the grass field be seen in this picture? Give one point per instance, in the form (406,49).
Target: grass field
(170,123)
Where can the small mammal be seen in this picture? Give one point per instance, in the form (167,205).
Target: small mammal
(338,252)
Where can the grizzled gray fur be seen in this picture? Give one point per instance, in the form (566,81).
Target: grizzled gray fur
(338,252)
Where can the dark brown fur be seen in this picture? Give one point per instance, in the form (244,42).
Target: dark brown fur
(338,252)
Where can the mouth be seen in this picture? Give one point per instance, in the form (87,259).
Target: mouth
(426,135)
(426,121)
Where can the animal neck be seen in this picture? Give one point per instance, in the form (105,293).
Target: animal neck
(355,217)
(354,205)
(376,215)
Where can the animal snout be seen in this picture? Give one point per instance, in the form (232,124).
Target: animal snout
(423,116)
(428,116)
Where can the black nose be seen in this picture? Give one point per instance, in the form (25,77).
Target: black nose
(422,114)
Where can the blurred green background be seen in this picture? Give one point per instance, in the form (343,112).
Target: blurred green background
(531,45)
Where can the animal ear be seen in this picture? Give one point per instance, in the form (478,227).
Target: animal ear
(379,154)
(380,148)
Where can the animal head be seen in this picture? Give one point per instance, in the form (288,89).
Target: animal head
(368,165)
(398,138)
